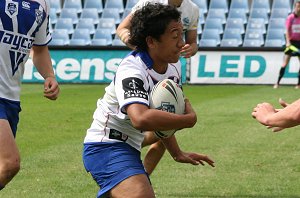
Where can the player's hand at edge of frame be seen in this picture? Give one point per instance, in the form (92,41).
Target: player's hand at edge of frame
(51,88)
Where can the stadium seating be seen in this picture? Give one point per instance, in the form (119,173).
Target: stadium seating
(103,33)
(208,35)
(83,35)
(94,4)
(60,34)
(245,15)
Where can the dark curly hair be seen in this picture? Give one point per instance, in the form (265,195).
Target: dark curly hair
(151,20)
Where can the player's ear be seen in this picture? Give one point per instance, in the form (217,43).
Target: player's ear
(150,42)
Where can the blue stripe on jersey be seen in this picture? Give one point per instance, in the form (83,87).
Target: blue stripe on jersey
(6,20)
(27,15)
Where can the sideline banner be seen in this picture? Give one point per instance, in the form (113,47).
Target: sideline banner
(82,66)
(241,67)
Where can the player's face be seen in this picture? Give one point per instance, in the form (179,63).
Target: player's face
(170,43)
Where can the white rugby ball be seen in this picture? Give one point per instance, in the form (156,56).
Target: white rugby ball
(167,95)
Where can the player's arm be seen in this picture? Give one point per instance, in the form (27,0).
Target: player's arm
(42,61)
(185,157)
(123,30)
(145,119)
(191,46)
(284,118)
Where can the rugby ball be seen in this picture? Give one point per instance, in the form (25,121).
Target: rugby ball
(167,95)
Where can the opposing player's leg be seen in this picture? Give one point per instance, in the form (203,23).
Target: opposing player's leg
(155,151)
(134,187)
(9,154)
(282,69)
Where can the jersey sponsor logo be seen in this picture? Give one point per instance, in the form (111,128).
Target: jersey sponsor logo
(11,8)
(16,58)
(18,42)
(134,88)
(26,5)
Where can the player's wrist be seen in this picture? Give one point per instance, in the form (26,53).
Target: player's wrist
(124,35)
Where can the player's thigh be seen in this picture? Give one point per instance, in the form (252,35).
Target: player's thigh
(136,186)
(8,146)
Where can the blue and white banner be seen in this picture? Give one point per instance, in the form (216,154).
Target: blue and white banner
(241,67)
(82,66)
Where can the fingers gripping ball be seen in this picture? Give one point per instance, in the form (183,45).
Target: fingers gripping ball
(166,95)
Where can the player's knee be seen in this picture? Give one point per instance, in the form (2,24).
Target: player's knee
(9,168)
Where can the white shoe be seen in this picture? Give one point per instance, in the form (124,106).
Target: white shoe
(275,86)
(297,86)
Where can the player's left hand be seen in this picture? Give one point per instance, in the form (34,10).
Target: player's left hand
(194,158)
(51,88)
(186,51)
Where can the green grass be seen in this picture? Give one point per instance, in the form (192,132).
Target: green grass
(251,161)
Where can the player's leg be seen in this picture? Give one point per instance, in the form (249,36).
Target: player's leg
(155,151)
(9,154)
(282,69)
(134,187)
(153,156)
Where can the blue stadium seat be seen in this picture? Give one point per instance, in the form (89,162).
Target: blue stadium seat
(117,42)
(259,13)
(201,19)
(276,34)
(278,23)
(69,13)
(65,23)
(261,4)
(252,43)
(208,43)
(233,34)
(112,13)
(115,4)
(57,42)
(219,4)
(199,28)
(257,24)
(279,13)
(95,4)
(273,43)
(76,4)
(78,42)
(83,34)
(107,23)
(217,13)
(202,4)
(55,4)
(61,34)
(230,43)
(130,3)
(104,33)
(233,23)
(214,23)
(238,14)
(254,35)
(53,16)
(90,13)
(281,4)
(240,4)
(99,42)
(86,23)
(210,34)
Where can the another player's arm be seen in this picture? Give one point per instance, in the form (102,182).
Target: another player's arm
(191,46)
(123,30)
(42,61)
(285,118)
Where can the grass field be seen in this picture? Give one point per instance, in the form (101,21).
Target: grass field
(251,161)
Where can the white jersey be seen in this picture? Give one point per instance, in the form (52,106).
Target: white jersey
(133,82)
(23,23)
(189,12)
